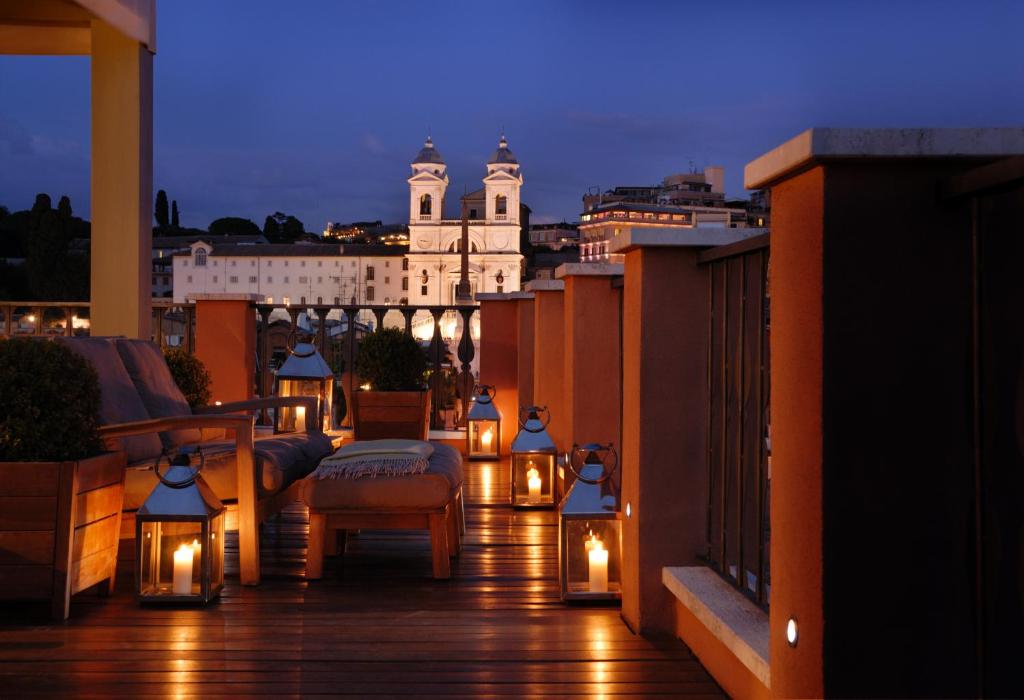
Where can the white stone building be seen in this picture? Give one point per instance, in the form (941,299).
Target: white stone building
(295,273)
(494,214)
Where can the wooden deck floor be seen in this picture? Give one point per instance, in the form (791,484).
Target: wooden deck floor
(376,625)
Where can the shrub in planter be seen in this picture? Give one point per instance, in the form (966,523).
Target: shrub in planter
(397,406)
(49,403)
(391,360)
(51,453)
(190,375)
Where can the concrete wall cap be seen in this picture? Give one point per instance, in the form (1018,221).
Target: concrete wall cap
(820,144)
(595,269)
(726,613)
(503,296)
(679,237)
(222,297)
(545,286)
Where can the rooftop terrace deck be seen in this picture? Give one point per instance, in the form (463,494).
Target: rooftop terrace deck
(377,624)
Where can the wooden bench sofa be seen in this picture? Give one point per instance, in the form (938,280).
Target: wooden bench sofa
(143,413)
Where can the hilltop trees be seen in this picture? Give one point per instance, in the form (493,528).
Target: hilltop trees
(233,226)
(282,228)
(160,211)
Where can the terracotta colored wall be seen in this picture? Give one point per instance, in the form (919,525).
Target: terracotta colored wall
(735,678)
(499,362)
(226,343)
(525,372)
(548,362)
(664,426)
(796,377)
(592,361)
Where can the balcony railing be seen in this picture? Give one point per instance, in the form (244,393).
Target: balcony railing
(337,328)
(173,323)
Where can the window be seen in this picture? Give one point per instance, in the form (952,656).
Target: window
(234,263)
(500,289)
(387,263)
(319,280)
(405,284)
(252,279)
(425,205)
(405,263)
(303,280)
(353,263)
(270,263)
(154,280)
(184,263)
(270,300)
(252,263)
(215,263)
(423,290)
(387,280)
(270,280)
(472,213)
(190,279)
(302,264)
(233,279)
(287,301)
(319,263)
(286,263)
(500,205)
(369,294)
(369,273)
(200,257)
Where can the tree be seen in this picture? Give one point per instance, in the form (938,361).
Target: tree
(270,229)
(292,229)
(162,219)
(64,209)
(174,214)
(233,226)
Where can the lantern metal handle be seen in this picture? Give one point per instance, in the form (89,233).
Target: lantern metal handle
(534,409)
(482,391)
(290,344)
(184,483)
(605,475)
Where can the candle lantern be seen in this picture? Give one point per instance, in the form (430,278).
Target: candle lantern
(179,538)
(590,528)
(304,373)
(533,461)
(483,425)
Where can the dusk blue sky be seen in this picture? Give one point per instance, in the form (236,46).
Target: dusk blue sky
(317,108)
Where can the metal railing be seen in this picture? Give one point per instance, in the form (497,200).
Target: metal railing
(337,328)
(173,323)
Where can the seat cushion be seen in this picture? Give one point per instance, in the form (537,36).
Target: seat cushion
(280,461)
(432,489)
(159,393)
(119,399)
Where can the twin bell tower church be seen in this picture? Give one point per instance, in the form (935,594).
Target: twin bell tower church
(496,218)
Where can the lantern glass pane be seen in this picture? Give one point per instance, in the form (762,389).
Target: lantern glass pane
(170,558)
(593,552)
(483,438)
(287,421)
(533,479)
(217,550)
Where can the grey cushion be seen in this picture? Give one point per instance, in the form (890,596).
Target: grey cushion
(280,461)
(159,393)
(119,400)
(432,489)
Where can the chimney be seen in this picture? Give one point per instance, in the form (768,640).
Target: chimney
(714,175)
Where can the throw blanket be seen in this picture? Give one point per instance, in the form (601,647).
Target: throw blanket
(375,457)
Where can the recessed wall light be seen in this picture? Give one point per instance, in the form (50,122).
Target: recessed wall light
(629,510)
(792,633)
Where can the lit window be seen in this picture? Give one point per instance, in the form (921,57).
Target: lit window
(287,301)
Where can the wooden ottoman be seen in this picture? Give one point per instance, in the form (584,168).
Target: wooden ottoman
(428,501)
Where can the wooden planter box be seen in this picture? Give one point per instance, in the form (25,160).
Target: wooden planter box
(391,414)
(59,528)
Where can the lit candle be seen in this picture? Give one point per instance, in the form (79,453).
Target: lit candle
(533,481)
(183,570)
(300,419)
(486,439)
(598,556)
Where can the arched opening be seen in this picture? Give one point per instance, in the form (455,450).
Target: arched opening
(500,205)
(456,246)
(200,258)
(426,202)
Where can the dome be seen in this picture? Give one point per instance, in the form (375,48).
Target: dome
(428,154)
(503,154)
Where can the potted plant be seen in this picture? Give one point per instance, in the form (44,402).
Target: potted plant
(190,375)
(395,402)
(61,493)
